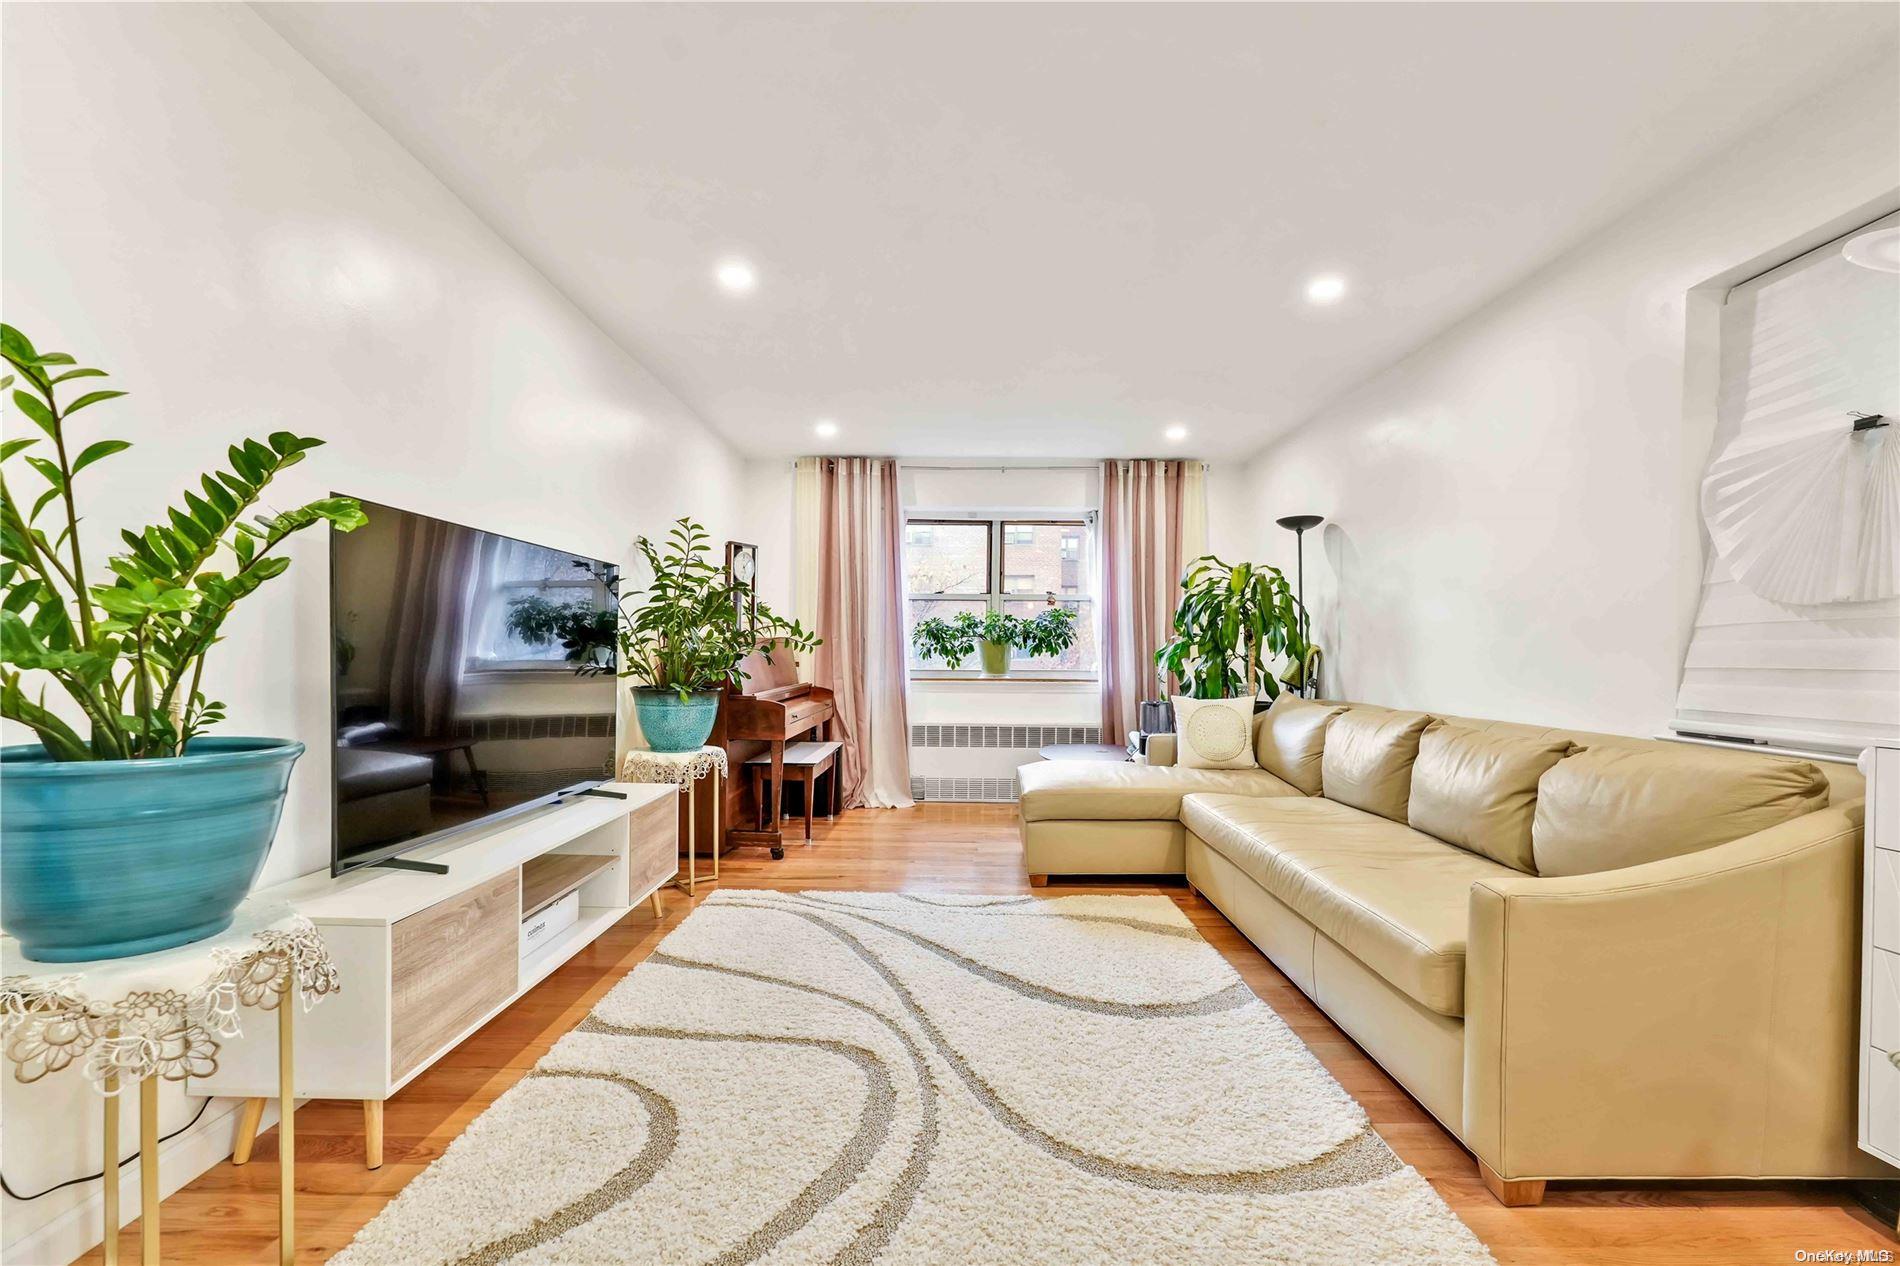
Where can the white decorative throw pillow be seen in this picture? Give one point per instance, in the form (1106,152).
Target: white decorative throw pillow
(1214,733)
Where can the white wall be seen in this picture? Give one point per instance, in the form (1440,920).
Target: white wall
(191,206)
(768,507)
(1513,526)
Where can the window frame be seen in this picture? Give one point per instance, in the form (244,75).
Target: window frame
(474,665)
(995,596)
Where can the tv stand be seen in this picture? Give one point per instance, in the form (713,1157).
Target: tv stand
(431,948)
(411,864)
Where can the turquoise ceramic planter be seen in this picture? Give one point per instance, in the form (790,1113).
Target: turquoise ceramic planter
(672,724)
(105,859)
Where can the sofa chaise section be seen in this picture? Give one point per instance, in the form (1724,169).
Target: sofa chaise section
(1107,817)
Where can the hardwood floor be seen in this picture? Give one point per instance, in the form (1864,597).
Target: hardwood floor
(229,1214)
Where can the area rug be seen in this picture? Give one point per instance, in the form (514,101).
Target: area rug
(880,1077)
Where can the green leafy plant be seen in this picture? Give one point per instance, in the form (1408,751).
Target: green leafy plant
(585,632)
(129,653)
(692,632)
(1050,631)
(954,639)
(1231,619)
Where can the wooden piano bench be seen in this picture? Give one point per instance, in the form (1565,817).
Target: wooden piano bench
(805,763)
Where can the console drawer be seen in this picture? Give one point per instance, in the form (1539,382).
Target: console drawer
(450,965)
(1885,864)
(653,846)
(1883,1003)
(1883,1103)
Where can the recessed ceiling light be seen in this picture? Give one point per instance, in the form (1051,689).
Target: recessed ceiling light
(1177,431)
(1330,288)
(825,428)
(1878,249)
(737,276)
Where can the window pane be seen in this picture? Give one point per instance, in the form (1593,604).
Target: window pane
(1046,558)
(532,601)
(1078,658)
(923,609)
(947,557)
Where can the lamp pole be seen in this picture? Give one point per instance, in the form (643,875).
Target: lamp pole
(1297,524)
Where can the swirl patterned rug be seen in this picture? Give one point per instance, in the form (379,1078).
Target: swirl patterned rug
(860,1077)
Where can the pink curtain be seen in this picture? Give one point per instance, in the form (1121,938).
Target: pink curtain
(1143,530)
(861,617)
(438,569)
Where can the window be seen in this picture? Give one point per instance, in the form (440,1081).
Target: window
(1792,645)
(534,598)
(1012,565)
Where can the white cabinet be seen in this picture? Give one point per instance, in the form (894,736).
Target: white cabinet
(1880,958)
(425,960)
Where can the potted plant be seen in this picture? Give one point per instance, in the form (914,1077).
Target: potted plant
(126,830)
(686,642)
(993,635)
(1231,618)
(585,632)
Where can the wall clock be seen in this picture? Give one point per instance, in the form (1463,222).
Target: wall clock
(742,569)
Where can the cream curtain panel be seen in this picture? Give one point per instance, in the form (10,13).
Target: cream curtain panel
(1154,520)
(850,529)
(1796,640)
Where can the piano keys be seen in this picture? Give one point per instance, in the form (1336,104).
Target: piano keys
(768,710)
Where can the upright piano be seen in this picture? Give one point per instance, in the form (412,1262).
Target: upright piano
(765,712)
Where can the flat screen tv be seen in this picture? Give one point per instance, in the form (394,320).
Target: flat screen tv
(472,678)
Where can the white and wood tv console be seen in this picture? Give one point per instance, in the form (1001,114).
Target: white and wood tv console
(425,960)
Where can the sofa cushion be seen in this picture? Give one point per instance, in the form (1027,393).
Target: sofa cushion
(1609,807)
(1107,790)
(1213,733)
(1289,738)
(1478,789)
(362,772)
(1367,761)
(1394,898)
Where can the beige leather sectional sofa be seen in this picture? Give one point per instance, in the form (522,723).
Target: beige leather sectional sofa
(1588,956)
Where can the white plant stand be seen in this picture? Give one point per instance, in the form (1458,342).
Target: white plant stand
(166,1016)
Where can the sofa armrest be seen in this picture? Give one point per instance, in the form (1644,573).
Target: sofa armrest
(1160,749)
(1692,1016)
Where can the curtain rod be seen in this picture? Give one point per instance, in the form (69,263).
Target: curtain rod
(1049,465)
(1028,465)
(1005,468)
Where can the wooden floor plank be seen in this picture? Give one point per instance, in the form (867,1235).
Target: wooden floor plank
(228,1215)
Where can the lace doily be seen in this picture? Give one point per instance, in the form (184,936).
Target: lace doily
(48,1022)
(674,767)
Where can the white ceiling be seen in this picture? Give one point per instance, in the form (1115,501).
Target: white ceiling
(1010,230)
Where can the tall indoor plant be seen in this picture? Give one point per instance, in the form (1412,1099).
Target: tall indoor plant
(688,639)
(992,635)
(1231,619)
(128,831)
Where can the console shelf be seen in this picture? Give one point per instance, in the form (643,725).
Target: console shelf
(551,876)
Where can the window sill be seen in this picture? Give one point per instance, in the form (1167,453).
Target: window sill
(525,672)
(978,679)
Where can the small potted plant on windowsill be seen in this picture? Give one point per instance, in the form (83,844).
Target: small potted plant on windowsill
(687,641)
(124,829)
(585,632)
(992,635)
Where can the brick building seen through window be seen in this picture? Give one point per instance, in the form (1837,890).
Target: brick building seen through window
(1013,565)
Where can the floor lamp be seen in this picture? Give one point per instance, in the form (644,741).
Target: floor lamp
(1297,524)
